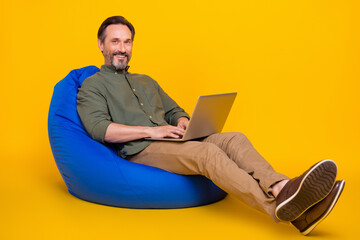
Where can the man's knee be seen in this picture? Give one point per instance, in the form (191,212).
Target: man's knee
(237,136)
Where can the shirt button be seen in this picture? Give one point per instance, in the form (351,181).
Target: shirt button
(134,89)
(141,104)
(150,117)
(115,72)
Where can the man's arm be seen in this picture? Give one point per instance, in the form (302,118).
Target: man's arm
(93,111)
(119,133)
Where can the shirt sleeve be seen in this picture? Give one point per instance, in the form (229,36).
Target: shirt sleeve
(172,110)
(93,111)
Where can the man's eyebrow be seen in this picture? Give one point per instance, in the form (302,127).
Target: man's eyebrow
(116,38)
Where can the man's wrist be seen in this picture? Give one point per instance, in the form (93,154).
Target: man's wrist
(147,131)
(182,118)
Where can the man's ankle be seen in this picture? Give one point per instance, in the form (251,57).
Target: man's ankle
(276,188)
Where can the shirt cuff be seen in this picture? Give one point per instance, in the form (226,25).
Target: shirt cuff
(177,116)
(99,131)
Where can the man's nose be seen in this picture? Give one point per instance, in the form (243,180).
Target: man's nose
(122,47)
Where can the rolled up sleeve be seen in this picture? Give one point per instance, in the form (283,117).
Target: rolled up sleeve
(93,111)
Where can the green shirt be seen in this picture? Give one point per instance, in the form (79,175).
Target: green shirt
(130,99)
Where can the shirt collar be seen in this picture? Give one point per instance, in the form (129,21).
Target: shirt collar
(112,69)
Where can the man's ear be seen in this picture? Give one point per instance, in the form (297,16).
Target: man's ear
(101,45)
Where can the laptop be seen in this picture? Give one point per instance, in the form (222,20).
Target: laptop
(209,116)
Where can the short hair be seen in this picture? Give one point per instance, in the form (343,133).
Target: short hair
(115,20)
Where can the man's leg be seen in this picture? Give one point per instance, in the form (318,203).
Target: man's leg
(239,149)
(205,158)
(294,197)
(249,177)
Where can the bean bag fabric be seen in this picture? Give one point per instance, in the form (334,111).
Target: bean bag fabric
(93,171)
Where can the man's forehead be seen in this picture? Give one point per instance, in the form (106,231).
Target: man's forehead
(118,31)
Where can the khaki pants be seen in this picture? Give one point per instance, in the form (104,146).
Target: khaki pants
(228,159)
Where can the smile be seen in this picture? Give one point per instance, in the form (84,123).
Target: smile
(120,56)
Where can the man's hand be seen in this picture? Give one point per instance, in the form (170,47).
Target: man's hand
(166,131)
(183,122)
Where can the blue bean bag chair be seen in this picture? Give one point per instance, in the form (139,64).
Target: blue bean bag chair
(93,171)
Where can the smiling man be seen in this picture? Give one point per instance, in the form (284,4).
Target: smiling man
(118,49)
(121,108)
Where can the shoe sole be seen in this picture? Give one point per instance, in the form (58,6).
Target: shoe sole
(316,222)
(314,187)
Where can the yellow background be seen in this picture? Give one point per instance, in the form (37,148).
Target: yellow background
(294,64)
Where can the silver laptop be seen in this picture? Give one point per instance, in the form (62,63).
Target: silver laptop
(209,116)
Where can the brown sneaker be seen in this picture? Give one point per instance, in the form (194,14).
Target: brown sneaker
(302,192)
(314,215)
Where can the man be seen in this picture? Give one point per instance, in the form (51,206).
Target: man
(122,108)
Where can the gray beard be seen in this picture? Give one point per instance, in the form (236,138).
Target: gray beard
(117,66)
(120,65)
